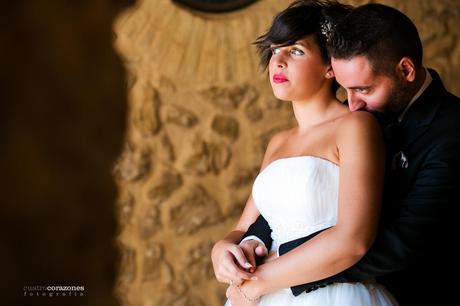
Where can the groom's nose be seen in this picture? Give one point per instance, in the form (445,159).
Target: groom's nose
(354,103)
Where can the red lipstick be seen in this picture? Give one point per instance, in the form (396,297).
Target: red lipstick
(279,78)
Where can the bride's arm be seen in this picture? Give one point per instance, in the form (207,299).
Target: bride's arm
(361,153)
(226,251)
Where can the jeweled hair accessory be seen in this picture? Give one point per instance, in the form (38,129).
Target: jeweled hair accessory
(326,28)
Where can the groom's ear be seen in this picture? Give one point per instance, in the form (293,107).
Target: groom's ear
(406,69)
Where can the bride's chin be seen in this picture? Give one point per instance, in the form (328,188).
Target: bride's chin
(281,96)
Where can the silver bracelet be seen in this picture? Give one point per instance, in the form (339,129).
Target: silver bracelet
(247,298)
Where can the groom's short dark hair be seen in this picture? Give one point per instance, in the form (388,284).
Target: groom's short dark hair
(381,33)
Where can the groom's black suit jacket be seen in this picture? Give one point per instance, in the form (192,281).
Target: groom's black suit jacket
(413,252)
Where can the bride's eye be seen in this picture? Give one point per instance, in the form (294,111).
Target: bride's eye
(296,51)
(275,50)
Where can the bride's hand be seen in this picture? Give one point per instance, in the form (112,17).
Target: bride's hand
(230,263)
(238,297)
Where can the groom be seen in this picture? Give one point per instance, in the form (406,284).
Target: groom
(377,57)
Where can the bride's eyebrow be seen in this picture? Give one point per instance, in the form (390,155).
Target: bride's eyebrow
(297,43)
(302,44)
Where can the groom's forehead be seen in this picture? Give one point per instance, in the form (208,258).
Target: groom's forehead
(352,64)
(354,71)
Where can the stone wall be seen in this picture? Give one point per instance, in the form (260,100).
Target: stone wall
(200,116)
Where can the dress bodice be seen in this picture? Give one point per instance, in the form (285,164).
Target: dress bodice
(297,196)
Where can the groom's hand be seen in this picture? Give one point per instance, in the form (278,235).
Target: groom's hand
(253,249)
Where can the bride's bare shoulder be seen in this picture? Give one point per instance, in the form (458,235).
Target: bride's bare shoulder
(358,128)
(358,119)
(277,141)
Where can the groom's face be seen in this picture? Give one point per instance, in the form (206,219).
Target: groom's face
(367,90)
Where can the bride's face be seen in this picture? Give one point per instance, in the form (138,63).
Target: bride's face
(297,72)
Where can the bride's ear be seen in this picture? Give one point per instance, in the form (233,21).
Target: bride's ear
(329,73)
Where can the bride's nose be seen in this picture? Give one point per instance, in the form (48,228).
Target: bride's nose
(279,60)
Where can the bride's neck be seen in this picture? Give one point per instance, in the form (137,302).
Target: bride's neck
(314,112)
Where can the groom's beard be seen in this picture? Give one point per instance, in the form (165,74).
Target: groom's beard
(396,103)
(400,96)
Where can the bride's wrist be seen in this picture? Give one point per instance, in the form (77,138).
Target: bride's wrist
(247,296)
(252,289)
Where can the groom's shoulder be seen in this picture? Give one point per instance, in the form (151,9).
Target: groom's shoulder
(448,112)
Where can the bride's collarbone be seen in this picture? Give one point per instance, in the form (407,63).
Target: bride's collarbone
(317,142)
(319,150)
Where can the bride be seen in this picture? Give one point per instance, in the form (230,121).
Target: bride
(326,173)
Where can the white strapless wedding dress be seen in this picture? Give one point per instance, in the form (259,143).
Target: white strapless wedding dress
(299,196)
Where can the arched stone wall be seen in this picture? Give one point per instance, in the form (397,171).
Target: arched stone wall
(200,115)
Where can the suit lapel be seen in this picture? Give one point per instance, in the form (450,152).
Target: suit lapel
(420,115)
